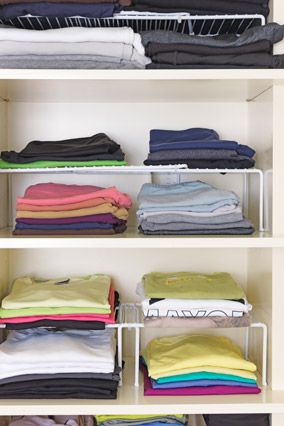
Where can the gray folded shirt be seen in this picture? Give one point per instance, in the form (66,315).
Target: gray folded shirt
(193,154)
(66,62)
(202,220)
(184,226)
(272,32)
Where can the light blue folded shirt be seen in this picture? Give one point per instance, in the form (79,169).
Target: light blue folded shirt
(193,196)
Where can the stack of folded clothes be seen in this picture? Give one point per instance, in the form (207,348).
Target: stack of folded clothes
(198,148)
(74,48)
(96,150)
(187,299)
(142,420)
(202,7)
(251,49)
(51,421)
(190,208)
(58,209)
(79,302)
(40,363)
(196,365)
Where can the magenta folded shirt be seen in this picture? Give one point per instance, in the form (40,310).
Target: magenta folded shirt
(43,194)
(198,390)
(99,218)
(106,318)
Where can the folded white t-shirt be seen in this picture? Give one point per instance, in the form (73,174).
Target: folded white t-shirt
(42,351)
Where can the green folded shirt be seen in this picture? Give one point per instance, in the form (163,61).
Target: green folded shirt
(48,164)
(12,313)
(190,285)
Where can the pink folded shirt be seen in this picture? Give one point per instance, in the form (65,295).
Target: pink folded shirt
(59,194)
(108,319)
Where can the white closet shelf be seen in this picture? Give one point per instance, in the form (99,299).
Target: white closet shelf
(134,86)
(176,168)
(194,74)
(132,239)
(132,401)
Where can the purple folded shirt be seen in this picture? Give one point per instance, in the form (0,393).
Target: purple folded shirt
(194,383)
(198,390)
(98,218)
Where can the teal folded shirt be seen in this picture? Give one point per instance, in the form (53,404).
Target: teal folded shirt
(203,376)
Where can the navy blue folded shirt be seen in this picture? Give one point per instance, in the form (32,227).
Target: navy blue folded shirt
(195,138)
(83,225)
(59,10)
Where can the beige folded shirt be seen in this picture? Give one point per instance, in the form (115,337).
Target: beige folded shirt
(119,212)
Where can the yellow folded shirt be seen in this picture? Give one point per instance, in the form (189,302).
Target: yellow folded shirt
(119,212)
(176,353)
(85,292)
(242,373)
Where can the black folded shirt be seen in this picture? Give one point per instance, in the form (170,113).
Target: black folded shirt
(97,147)
(60,389)
(260,46)
(201,7)
(241,163)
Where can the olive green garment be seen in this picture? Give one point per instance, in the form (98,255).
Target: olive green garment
(87,292)
(191,285)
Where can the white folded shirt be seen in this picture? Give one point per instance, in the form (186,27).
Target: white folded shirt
(39,351)
(185,308)
(75,34)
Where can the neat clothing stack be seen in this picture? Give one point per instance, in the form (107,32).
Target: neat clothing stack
(198,148)
(142,420)
(51,421)
(196,365)
(202,7)
(188,299)
(78,48)
(58,209)
(78,302)
(41,363)
(237,419)
(96,150)
(190,208)
(251,49)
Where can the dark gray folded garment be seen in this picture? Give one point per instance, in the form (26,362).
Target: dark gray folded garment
(272,32)
(185,226)
(237,419)
(180,58)
(260,46)
(201,6)
(193,154)
(231,231)
(30,377)
(154,66)
(61,389)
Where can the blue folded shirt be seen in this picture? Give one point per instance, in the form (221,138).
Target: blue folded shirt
(195,138)
(73,226)
(193,196)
